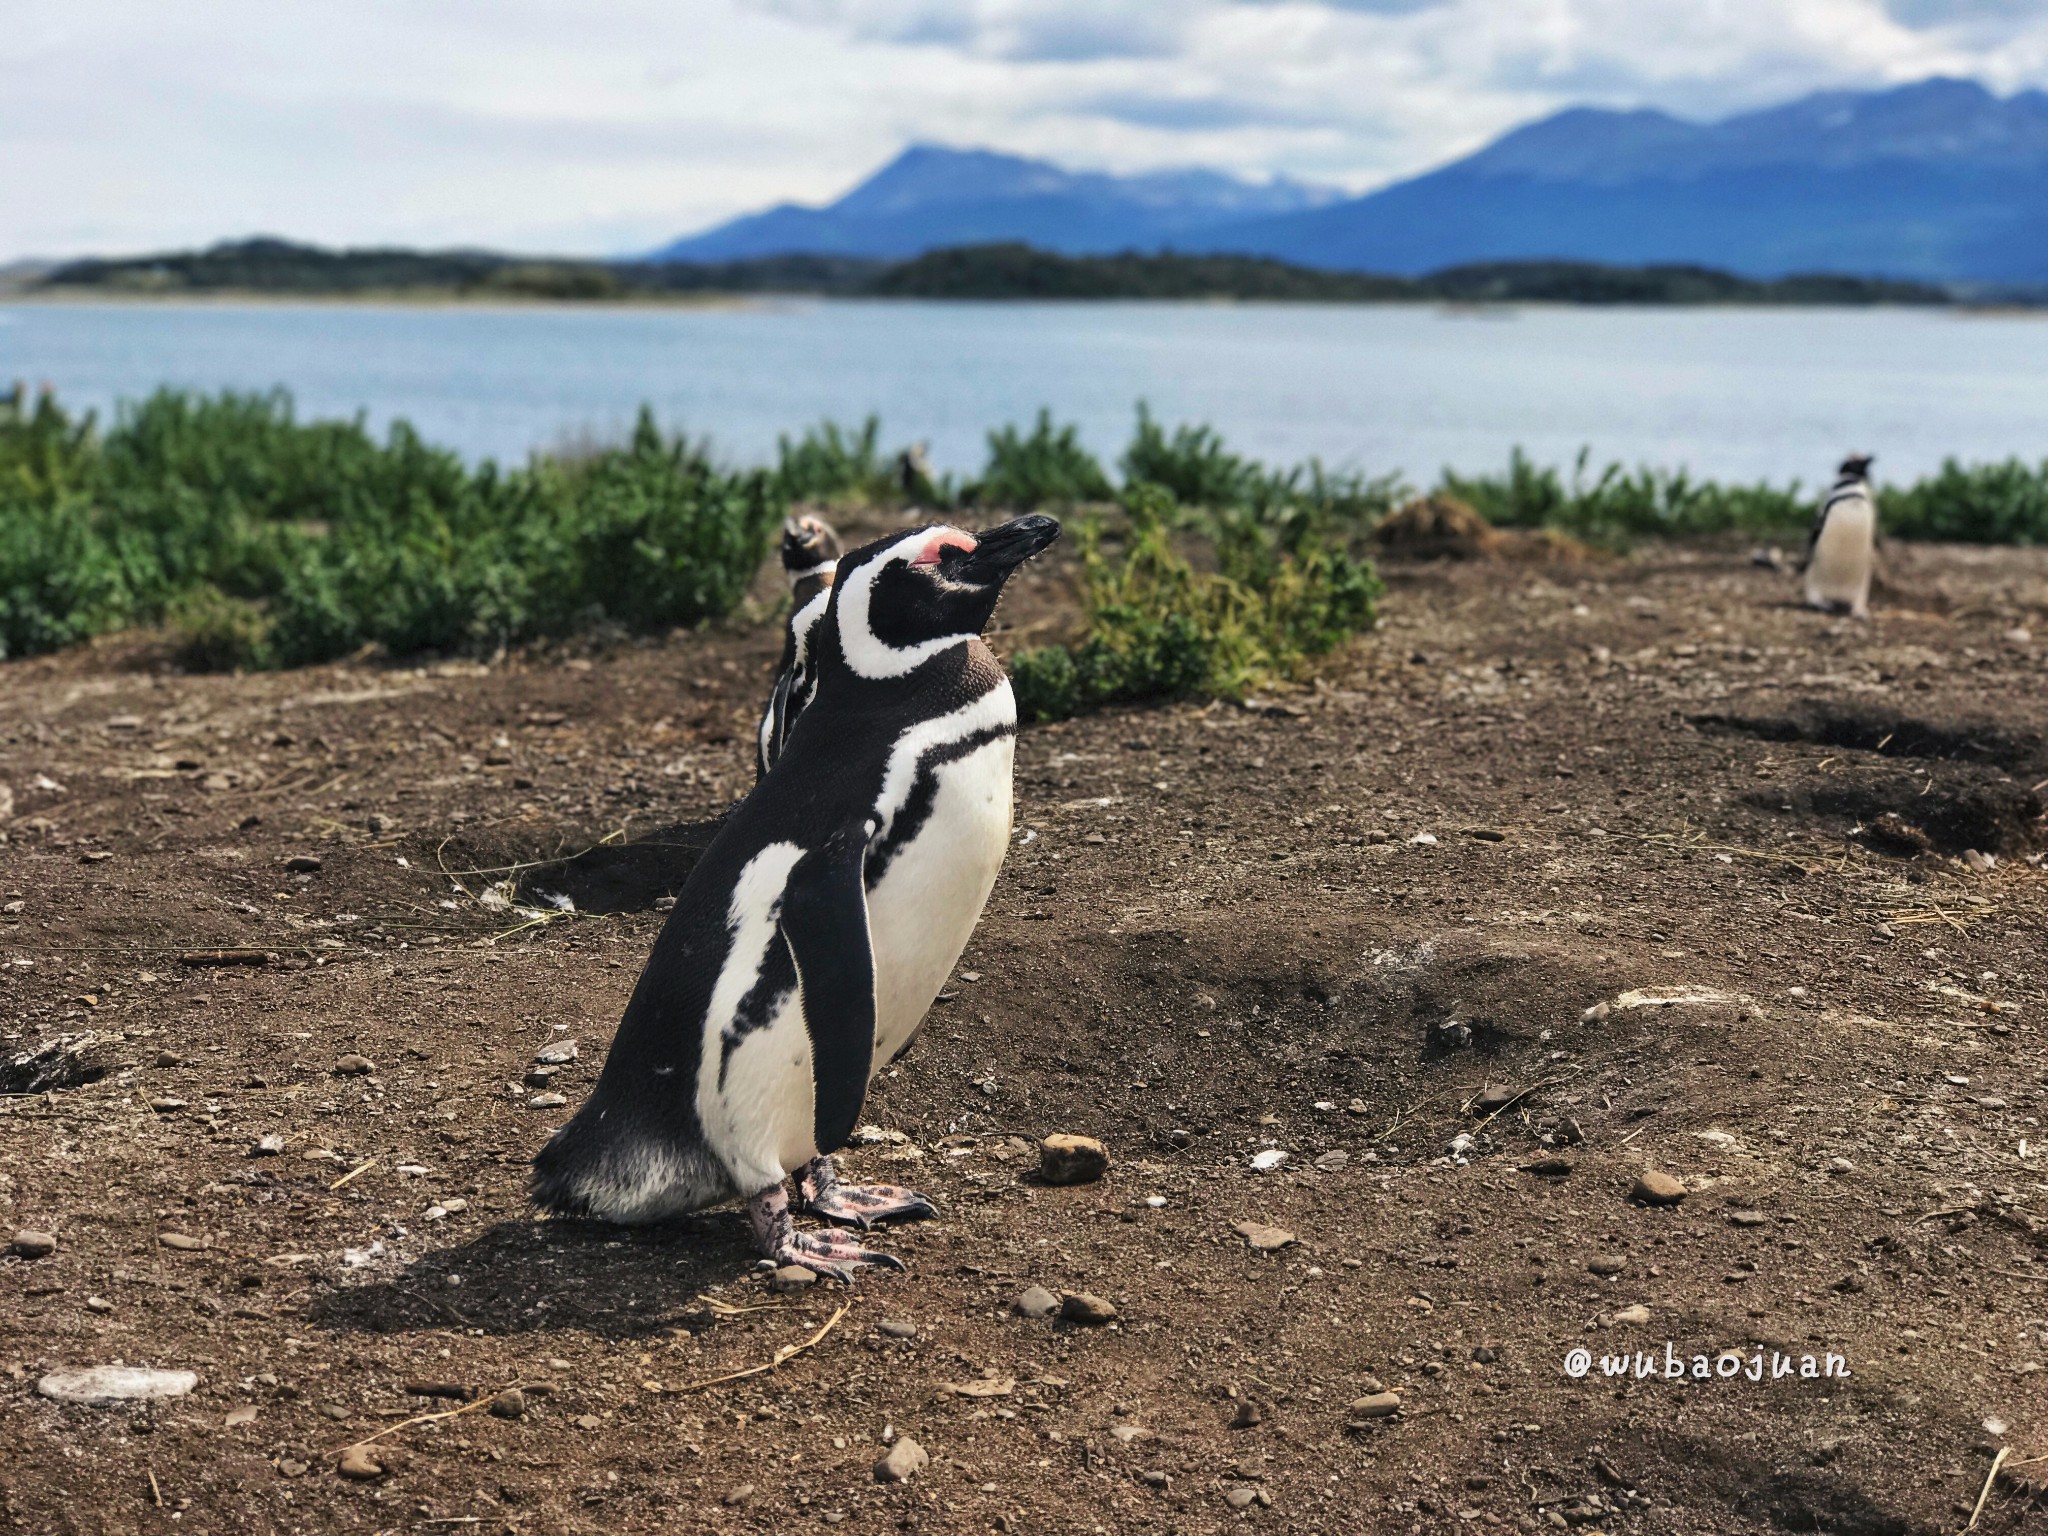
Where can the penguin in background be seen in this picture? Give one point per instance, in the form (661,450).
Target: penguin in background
(810,938)
(810,558)
(1841,551)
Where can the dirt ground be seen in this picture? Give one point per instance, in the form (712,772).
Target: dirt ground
(1694,880)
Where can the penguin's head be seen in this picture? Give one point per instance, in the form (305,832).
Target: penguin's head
(909,596)
(809,548)
(1856,465)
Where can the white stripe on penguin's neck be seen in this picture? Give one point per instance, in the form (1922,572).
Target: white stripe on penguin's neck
(866,652)
(804,623)
(821,570)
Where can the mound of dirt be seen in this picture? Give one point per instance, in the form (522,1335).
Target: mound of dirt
(1437,528)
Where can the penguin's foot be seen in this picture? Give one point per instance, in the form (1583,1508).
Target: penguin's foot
(831,1254)
(858,1205)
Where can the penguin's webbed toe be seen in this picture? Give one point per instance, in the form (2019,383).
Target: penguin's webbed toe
(869,1205)
(832,1254)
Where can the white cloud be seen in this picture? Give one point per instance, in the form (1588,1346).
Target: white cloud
(609,125)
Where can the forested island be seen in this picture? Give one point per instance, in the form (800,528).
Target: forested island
(282,268)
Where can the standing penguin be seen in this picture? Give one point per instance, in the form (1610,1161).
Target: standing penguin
(811,937)
(1842,548)
(810,558)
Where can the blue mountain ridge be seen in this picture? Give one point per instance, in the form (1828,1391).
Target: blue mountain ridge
(1940,180)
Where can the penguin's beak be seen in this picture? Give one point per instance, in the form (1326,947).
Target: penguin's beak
(1002,549)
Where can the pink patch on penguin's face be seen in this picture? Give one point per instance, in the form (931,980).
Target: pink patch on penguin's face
(941,541)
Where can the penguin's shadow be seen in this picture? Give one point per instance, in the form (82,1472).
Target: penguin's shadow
(624,877)
(546,1276)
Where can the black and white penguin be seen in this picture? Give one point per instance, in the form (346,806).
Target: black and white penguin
(814,932)
(810,558)
(1842,548)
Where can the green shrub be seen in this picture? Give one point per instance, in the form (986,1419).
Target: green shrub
(60,582)
(212,632)
(1978,504)
(1159,627)
(834,463)
(1620,504)
(1191,465)
(1049,467)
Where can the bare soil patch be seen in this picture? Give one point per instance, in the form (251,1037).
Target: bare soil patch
(1563,876)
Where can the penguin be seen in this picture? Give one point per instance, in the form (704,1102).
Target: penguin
(810,557)
(810,938)
(1842,548)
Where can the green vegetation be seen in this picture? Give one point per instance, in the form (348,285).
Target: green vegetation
(1620,504)
(1045,468)
(1157,626)
(996,271)
(262,540)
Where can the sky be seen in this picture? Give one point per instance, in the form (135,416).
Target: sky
(610,126)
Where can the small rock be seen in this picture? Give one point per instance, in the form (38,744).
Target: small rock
(31,1244)
(302,864)
(905,1460)
(1607,1264)
(98,1304)
(546,1101)
(289,1468)
(455,1391)
(1129,1434)
(1268,1160)
(1378,1405)
(181,1242)
(738,1496)
(169,1059)
(361,1463)
(508,1404)
(1249,1415)
(1850,1283)
(1239,1498)
(1597,1014)
(268,1146)
(557,1053)
(1747,1218)
(791,1278)
(1549,1167)
(101,855)
(1367,1385)
(115,1384)
(1357,1107)
(893,1328)
(1840,1165)
(167,1106)
(1656,1187)
(237,1417)
(1037,1303)
(540,1077)
(354,1066)
(456,1206)
(1336,1160)
(1632,1316)
(589,1421)
(1072,1159)
(1484,1356)
(1152,1478)
(1089,1311)
(1494,1098)
(1264,1238)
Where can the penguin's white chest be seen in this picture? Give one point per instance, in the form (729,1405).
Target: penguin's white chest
(925,906)
(1839,571)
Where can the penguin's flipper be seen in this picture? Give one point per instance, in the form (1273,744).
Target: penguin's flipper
(825,923)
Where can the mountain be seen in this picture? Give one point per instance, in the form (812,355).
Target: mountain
(1941,181)
(929,197)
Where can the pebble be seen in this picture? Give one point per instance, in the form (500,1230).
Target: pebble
(360,1463)
(1596,1014)
(31,1244)
(237,1417)
(1607,1264)
(1239,1498)
(1377,1405)
(894,1328)
(546,1101)
(1656,1187)
(354,1066)
(268,1146)
(1130,1434)
(1264,1238)
(1549,1167)
(1356,1107)
(791,1278)
(1037,1302)
(167,1106)
(1484,1356)
(1089,1311)
(557,1053)
(168,1059)
(1268,1160)
(1367,1385)
(540,1077)
(1632,1316)
(589,1421)
(1072,1159)
(1336,1160)
(1747,1218)
(98,1304)
(302,864)
(509,1404)
(183,1242)
(290,1468)
(905,1460)
(1840,1165)
(1494,1098)
(738,1496)
(115,1384)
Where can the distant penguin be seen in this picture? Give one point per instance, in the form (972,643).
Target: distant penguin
(1842,548)
(810,938)
(810,556)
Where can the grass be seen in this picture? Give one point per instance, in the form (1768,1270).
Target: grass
(257,539)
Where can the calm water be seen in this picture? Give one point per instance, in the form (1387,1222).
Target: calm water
(1729,393)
